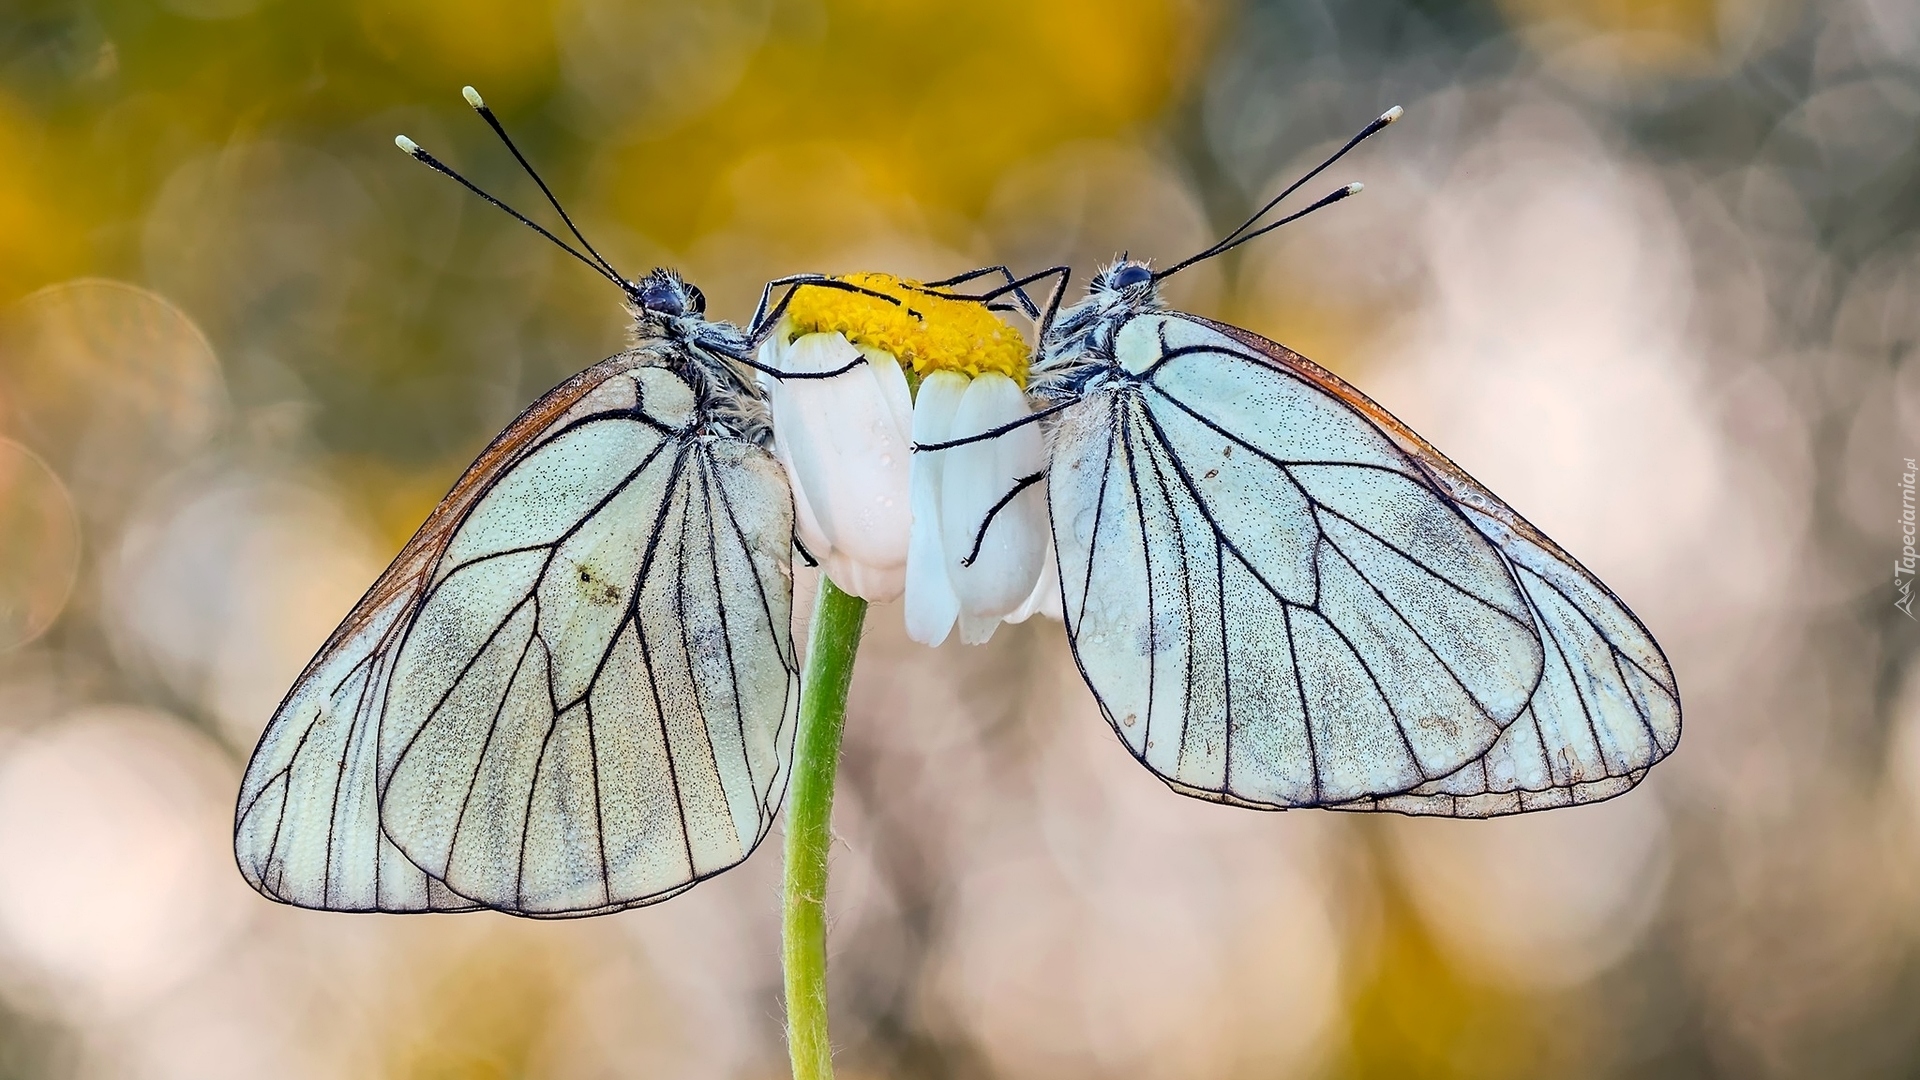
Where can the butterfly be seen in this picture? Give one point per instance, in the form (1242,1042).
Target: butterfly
(1281,596)
(575,689)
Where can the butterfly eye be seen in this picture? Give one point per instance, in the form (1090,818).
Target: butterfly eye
(1130,275)
(659,296)
(698,299)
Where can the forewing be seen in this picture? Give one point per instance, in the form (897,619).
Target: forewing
(595,704)
(1272,605)
(1607,706)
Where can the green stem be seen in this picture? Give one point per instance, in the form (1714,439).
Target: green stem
(823,712)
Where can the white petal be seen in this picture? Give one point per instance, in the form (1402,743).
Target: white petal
(975,478)
(932,604)
(876,584)
(844,441)
(804,523)
(1045,598)
(978,629)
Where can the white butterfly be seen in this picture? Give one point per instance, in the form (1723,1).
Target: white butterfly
(575,689)
(1283,597)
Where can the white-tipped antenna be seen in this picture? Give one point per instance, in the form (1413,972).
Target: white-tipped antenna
(1320,204)
(415,151)
(1241,235)
(480,106)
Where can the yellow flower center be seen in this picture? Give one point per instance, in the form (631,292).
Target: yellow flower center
(925,330)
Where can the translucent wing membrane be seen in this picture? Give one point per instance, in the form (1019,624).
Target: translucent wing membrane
(307,830)
(574,691)
(1282,597)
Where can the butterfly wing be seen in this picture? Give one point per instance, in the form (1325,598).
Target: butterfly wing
(1608,705)
(1274,602)
(307,828)
(366,756)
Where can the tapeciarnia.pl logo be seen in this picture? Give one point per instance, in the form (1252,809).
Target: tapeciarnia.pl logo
(1903,567)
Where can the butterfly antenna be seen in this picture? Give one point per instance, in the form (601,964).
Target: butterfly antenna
(414,151)
(479,106)
(1241,235)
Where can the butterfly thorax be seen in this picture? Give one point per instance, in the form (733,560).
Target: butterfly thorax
(1077,354)
(671,330)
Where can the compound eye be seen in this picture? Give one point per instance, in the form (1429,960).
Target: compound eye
(1130,275)
(659,296)
(699,299)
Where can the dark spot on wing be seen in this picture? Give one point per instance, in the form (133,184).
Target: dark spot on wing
(596,589)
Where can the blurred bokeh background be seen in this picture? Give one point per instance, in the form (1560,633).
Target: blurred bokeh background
(1649,268)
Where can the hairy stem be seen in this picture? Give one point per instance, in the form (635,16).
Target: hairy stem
(835,638)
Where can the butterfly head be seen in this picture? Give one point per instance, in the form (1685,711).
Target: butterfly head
(1126,281)
(665,295)
(1128,277)
(1121,289)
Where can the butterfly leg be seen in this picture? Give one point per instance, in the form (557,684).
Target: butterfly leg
(1017,286)
(804,553)
(1012,285)
(1064,273)
(764,320)
(783,376)
(994,432)
(980,535)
